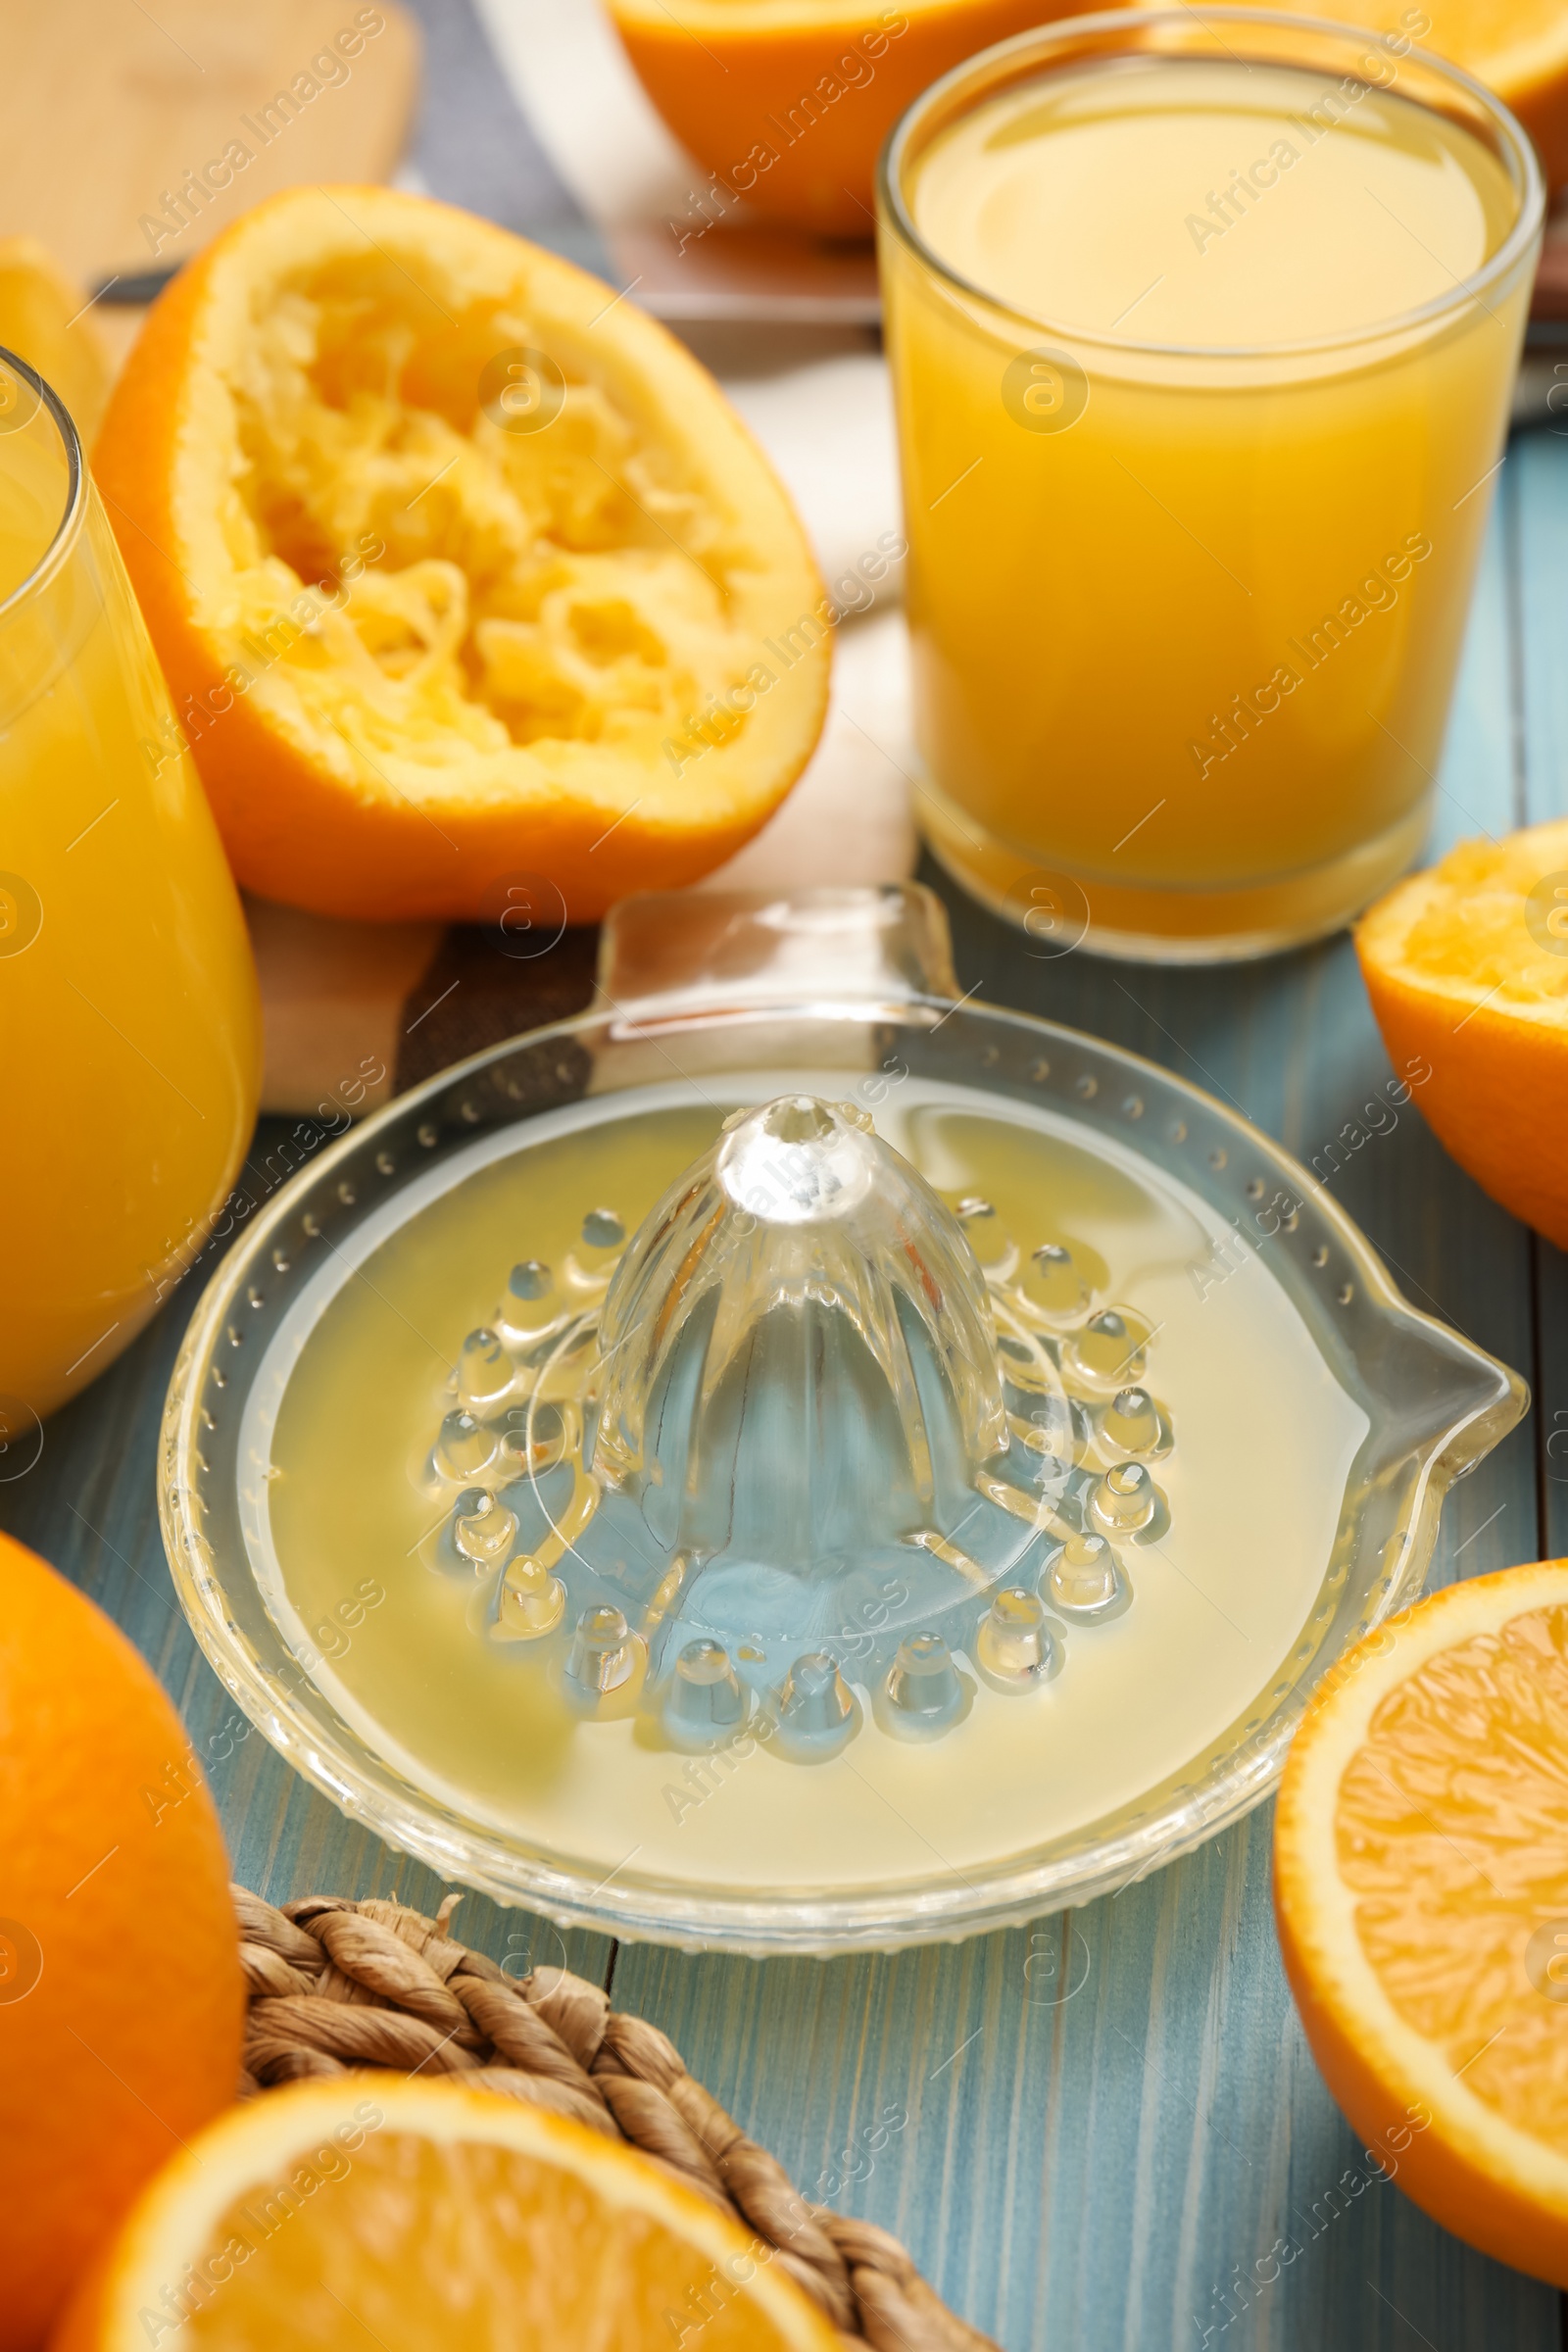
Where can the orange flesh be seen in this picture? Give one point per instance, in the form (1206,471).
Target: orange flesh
(1467,969)
(1472,924)
(535,587)
(416,2243)
(1451,1828)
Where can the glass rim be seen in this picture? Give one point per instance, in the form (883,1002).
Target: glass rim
(1039,44)
(70,521)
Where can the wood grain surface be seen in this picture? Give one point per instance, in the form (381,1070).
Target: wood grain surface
(1105,2133)
(106,107)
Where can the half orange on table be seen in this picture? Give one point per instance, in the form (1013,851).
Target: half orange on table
(786,102)
(463,572)
(1421,1889)
(376,2210)
(1467,968)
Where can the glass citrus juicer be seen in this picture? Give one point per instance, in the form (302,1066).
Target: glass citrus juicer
(794,1461)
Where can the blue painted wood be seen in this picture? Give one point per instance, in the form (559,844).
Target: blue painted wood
(1540,467)
(1104,2132)
(1480,784)
(1148,2161)
(1552,1398)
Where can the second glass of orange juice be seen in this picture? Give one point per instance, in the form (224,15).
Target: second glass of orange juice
(130,1025)
(1203,331)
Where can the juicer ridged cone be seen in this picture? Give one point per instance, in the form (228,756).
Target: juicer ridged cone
(800,1206)
(800,1446)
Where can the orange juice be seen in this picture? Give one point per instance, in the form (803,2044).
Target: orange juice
(1202,363)
(127,1000)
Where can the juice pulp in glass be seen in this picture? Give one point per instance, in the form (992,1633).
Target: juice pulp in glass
(1186,602)
(344,1538)
(129,1029)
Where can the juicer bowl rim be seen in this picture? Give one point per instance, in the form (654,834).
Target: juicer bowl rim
(996,1895)
(1524,169)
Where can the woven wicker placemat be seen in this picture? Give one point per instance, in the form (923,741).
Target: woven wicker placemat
(338,1985)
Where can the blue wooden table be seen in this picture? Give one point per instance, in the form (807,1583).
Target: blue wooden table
(1125,2144)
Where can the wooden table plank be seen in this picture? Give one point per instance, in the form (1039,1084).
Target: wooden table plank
(1093,2131)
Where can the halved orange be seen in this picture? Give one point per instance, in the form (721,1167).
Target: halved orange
(786,102)
(1467,968)
(1421,1889)
(464,574)
(1519,48)
(378,2210)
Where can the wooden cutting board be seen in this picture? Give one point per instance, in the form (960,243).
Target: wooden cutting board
(107,107)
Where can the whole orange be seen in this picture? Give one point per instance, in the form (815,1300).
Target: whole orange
(122,2002)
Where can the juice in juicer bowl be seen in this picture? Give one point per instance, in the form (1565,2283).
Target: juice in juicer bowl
(793,1460)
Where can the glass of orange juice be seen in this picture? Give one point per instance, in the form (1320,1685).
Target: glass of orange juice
(127,996)
(1202,330)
